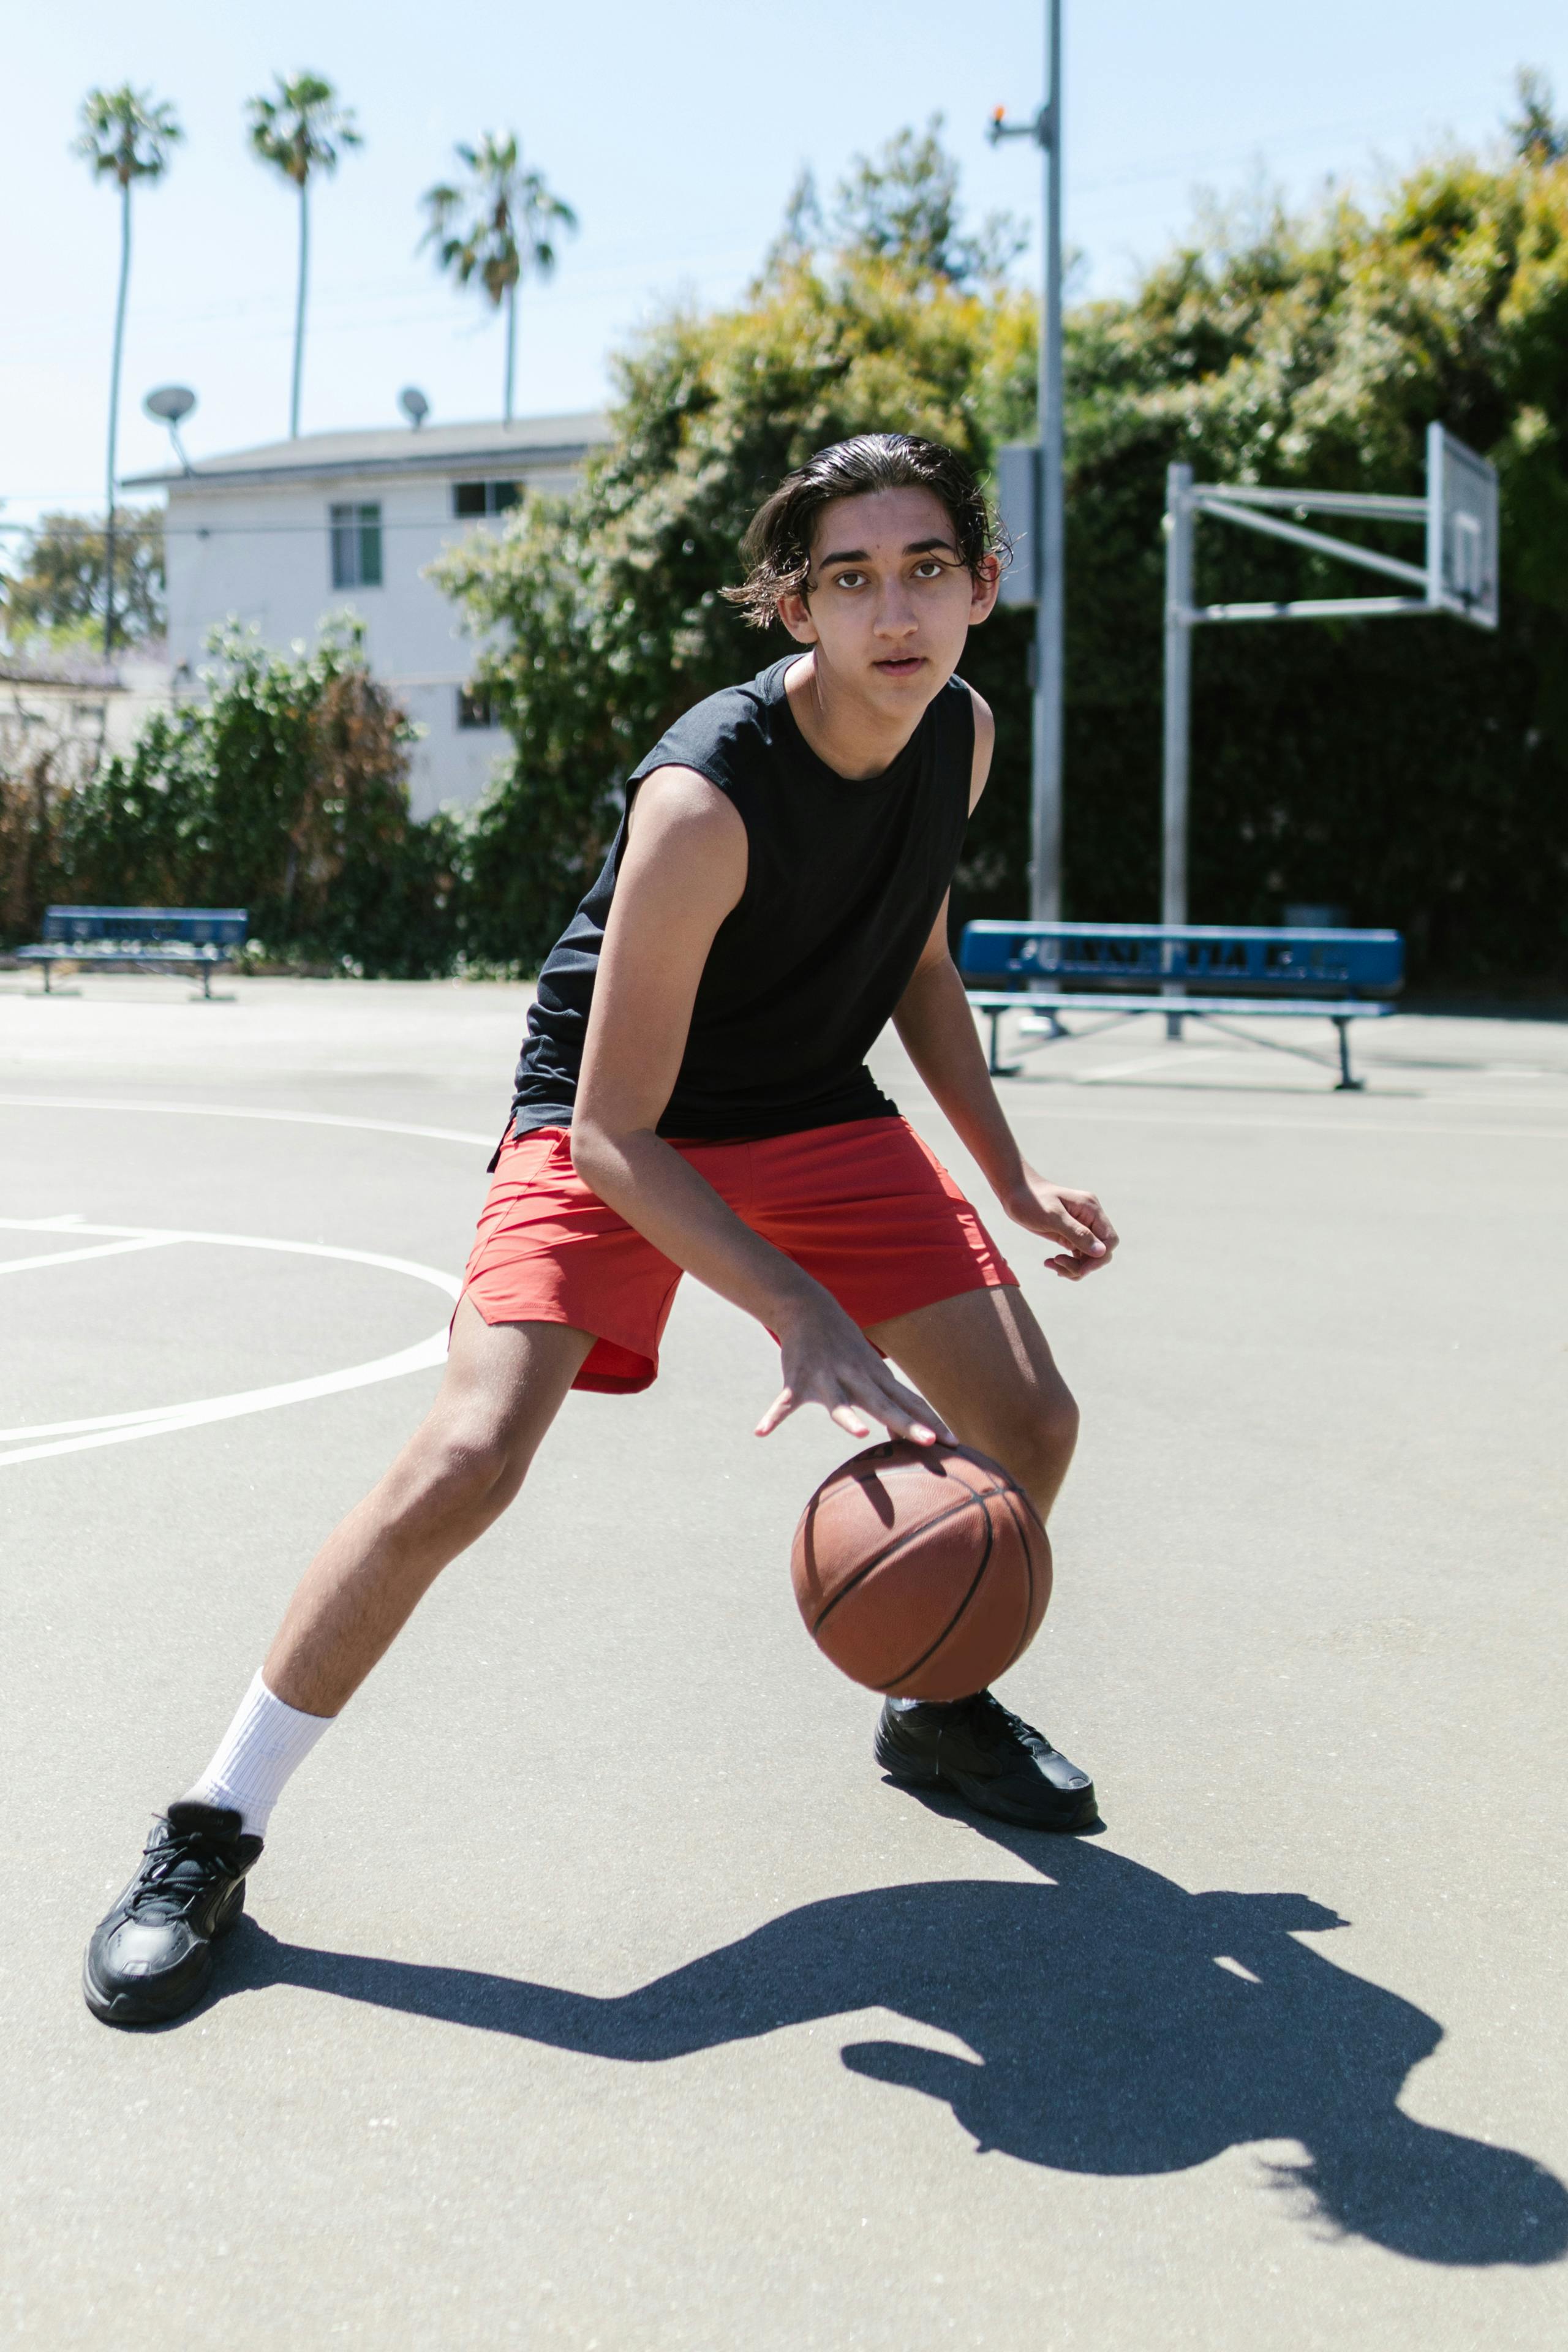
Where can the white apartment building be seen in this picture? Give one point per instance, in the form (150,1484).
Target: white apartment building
(74,709)
(287,535)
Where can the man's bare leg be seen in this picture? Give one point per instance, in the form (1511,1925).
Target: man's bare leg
(150,1958)
(984,1362)
(504,1385)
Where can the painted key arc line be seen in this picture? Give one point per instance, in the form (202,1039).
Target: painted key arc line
(35,1441)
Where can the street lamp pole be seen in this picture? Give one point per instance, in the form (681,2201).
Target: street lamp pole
(1046,799)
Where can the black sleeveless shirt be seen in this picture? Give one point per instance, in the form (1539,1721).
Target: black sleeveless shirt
(844,880)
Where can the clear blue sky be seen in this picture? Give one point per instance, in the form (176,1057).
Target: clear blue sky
(675,132)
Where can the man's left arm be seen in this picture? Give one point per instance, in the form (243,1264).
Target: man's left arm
(938,1030)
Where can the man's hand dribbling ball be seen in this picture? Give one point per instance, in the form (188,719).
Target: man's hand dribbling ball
(1074,1219)
(827,1361)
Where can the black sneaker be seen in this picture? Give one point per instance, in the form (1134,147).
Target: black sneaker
(150,1958)
(975,1750)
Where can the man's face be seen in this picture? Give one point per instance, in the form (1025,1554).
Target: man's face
(889,600)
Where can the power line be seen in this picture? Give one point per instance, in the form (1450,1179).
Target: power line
(1199,159)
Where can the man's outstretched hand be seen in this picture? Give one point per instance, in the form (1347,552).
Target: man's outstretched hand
(1074,1220)
(827,1361)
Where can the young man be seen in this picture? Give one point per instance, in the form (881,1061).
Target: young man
(692,1096)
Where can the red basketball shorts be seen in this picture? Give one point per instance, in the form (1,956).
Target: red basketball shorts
(865,1209)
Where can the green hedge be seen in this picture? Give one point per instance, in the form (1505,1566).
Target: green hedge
(1412,770)
(284,790)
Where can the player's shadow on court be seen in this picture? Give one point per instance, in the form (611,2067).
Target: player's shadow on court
(1121,2026)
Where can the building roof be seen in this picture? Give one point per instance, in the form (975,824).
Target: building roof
(39,664)
(473,449)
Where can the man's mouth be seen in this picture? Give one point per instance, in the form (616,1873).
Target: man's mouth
(901,665)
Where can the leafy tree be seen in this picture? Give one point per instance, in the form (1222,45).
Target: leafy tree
(1419,773)
(902,206)
(285,791)
(602,618)
(299,132)
(60,589)
(40,768)
(1538,135)
(126,135)
(499,227)
(1416,772)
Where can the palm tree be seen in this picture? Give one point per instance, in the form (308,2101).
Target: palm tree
(506,235)
(126,135)
(300,131)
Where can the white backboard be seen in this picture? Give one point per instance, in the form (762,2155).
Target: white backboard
(1461,530)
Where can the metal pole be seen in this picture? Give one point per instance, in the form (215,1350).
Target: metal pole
(1180,515)
(1045,829)
(108,520)
(296,376)
(1045,791)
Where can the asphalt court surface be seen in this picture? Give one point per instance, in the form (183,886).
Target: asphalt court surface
(598,1992)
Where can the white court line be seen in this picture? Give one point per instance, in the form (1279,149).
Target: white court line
(74,1257)
(417,1359)
(115,1429)
(46,1438)
(1055,1106)
(1161,1062)
(1058,1108)
(242,1110)
(1055,1102)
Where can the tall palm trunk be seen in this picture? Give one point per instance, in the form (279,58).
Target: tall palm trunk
(109,550)
(510,343)
(300,311)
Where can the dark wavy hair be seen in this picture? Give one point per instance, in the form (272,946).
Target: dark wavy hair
(778,544)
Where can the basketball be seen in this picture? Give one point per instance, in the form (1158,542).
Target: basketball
(921,1571)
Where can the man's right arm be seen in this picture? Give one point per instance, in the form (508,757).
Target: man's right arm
(682,871)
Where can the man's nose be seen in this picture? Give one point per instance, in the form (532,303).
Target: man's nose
(896,617)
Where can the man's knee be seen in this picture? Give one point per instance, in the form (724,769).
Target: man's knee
(465,1467)
(1053,1427)
(1036,1438)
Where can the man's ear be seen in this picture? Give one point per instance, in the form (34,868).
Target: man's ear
(985,585)
(796,615)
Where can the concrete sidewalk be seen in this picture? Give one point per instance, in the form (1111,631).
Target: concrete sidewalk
(597,1993)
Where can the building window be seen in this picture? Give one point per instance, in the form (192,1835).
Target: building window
(476,706)
(356,546)
(485,498)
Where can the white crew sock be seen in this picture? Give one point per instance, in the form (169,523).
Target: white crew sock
(265,1743)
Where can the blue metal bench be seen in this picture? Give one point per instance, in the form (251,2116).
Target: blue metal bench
(1199,970)
(148,939)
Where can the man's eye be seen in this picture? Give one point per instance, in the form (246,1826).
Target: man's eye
(929,568)
(848,579)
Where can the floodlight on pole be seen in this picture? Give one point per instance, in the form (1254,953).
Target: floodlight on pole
(1048,515)
(170,405)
